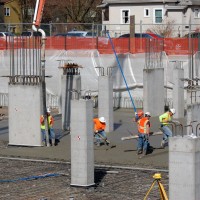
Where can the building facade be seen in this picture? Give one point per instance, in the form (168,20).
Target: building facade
(183,15)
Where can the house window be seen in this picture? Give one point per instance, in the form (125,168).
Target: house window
(196,13)
(146,12)
(125,16)
(158,16)
(7,11)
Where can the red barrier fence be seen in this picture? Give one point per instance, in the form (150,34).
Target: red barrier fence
(172,46)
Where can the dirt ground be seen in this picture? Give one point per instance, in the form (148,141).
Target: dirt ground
(31,180)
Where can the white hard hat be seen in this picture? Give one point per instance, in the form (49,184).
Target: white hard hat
(172,110)
(102,119)
(148,114)
(48,110)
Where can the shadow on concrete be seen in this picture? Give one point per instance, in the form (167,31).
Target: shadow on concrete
(117,125)
(99,174)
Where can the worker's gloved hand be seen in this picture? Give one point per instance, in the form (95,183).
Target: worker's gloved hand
(96,131)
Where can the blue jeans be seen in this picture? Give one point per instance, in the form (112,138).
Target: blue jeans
(143,142)
(166,132)
(51,134)
(98,138)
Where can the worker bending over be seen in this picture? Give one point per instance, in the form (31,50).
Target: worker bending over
(50,128)
(165,119)
(143,132)
(99,130)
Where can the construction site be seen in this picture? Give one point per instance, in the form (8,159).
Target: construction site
(78,84)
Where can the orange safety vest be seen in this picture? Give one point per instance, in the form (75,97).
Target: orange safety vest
(50,122)
(142,123)
(98,125)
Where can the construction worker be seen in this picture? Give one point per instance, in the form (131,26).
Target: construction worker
(99,130)
(143,133)
(164,120)
(50,128)
(138,115)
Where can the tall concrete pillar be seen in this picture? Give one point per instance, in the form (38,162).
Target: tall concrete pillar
(184,165)
(105,100)
(60,71)
(71,86)
(178,90)
(193,118)
(153,91)
(82,149)
(24,115)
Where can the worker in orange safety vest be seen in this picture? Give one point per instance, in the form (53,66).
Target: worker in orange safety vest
(50,128)
(99,130)
(143,133)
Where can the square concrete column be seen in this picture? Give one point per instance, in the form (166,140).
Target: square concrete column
(24,107)
(193,118)
(184,165)
(153,91)
(178,92)
(82,147)
(105,100)
(71,87)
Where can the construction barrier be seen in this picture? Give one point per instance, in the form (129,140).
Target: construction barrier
(172,46)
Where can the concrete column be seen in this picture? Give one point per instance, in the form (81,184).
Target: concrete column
(193,118)
(60,71)
(178,91)
(184,165)
(82,149)
(71,88)
(24,107)
(153,91)
(105,100)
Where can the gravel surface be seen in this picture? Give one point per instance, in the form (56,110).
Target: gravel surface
(35,180)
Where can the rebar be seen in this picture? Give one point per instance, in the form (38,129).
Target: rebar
(25,60)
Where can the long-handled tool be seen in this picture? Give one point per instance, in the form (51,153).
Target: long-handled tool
(108,143)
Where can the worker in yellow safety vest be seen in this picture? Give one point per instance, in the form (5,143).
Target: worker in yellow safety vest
(143,133)
(50,128)
(165,119)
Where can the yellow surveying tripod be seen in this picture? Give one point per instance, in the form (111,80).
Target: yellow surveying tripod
(163,194)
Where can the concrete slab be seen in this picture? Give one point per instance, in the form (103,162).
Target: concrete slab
(124,154)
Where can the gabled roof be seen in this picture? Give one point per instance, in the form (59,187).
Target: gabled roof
(140,1)
(180,2)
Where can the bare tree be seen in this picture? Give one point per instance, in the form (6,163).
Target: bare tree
(73,11)
(164,29)
(27,9)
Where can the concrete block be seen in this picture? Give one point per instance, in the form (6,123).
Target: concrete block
(184,165)
(153,91)
(71,87)
(82,149)
(24,115)
(105,101)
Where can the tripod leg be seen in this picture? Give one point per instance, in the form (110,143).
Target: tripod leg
(162,191)
(147,194)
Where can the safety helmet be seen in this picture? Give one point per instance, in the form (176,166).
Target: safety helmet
(102,120)
(172,110)
(140,113)
(147,114)
(48,110)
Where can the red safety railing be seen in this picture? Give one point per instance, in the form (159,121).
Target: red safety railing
(172,46)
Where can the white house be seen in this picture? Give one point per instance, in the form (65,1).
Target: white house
(183,15)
